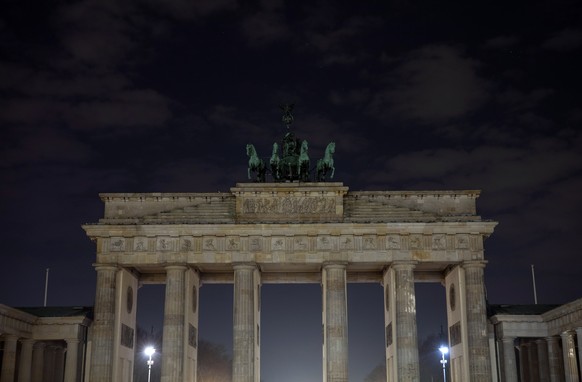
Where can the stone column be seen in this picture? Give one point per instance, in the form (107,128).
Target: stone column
(532,353)
(569,351)
(103,325)
(49,364)
(9,358)
(509,362)
(71,365)
(59,363)
(406,335)
(335,323)
(174,319)
(543,365)
(38,361)
(25,364)
(244,325)
(579,337)
(478,339)
(524,361)
(556,365)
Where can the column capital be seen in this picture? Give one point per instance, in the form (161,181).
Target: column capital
(334,264)
(10,337)
(105,267)
(72,341)
(567,334)
(244,265)
(404,264)
(507,339)
(27,341)
(474,264)
(39,345)
(175,267)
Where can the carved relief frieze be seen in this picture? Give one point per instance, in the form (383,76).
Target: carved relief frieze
(186,244)
(255,244)
(324,242)
(233,243)
(347,242)
(462,241)
(439,242)
(370,243)
(140,244)
(393,242)
(117,244)
(415,242)
(289,205)
(210,244)
(277,243)
(300,244)
(166,244)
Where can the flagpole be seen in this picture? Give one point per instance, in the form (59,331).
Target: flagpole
(46,286)
(533,278)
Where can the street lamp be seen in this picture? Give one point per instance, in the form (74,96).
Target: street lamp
(444,350)
(149,351)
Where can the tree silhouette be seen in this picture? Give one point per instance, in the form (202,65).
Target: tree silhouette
(214,363)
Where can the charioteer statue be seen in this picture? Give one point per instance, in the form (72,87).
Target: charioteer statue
(293,163)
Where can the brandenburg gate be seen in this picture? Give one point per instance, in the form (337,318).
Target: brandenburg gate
(289,232)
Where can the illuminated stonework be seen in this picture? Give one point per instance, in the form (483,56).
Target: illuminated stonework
(290,232)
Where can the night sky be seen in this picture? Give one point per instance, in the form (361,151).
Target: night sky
(163,96)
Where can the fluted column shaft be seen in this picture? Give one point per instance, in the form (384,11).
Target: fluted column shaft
(478,340)
(524,361)
(243,363)
(71,364)
(406,333)
(38,361)
(532,353)
(59,364)
(555,363)
(509,362)
(49,365)
(174,320)
(336,323)
(570,364)
(579,336)
(543,365)
(9,358)
(25,364)
(103,325)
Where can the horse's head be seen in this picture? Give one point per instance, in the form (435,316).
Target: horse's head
(304,146)
(250,149)
(331,147)
(275,148)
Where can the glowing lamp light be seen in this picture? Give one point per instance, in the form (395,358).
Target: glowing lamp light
(444,350)
(149,351)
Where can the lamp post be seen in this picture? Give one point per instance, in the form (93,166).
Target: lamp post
(149,351)
(444,350)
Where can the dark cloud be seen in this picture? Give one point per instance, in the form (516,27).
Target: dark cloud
(431,84)
(501,42)
(185,9)
(564,40)
(264,28)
